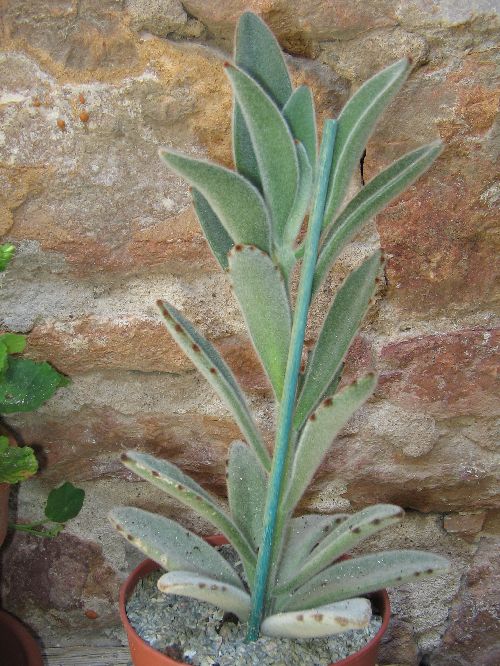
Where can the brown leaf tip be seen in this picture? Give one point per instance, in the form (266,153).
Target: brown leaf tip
(124,457)
(155,473)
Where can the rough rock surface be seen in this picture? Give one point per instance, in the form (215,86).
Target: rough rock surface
(90,91)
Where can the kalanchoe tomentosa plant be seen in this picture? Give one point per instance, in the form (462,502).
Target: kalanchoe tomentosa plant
(295,583)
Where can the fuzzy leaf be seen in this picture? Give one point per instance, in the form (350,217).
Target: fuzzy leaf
(246,488)
(64,503)
(217,237)
(304,534)
(319,432)
(228,597)
(17,463)
(262,295)
(302,199)
(259,55)
(210,364)
(370,200)
(272,144)
(352,531)
(338,331)
(243,152)
(355,124)
(301,118)
(14,343)
(321,621)
(172,546)
(237,204)
(175,483)
(362,575)
(27,384)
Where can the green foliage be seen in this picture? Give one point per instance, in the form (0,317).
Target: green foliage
(252,217)
(26,385)
(17,463)
(261,292)
(64,503)
(6,253)
(246,491)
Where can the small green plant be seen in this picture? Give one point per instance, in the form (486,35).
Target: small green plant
(296,584)
(25,385)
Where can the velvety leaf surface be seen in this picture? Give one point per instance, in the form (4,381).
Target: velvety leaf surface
(262,295)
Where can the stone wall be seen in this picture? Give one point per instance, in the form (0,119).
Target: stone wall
(91,89)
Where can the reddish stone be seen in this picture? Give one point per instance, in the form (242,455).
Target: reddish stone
(464,523)
(61,576)
(130,343)
(450,374)
(472,635)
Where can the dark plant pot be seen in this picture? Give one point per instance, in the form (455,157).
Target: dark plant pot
(144,655)
(18,647)
(4,510)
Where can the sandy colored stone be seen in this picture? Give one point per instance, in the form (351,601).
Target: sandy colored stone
(144,345)
(162,17)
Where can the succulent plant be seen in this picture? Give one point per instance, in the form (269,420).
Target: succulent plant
(296,583)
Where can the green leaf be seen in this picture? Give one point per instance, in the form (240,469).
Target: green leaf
(210,364)
(346,536)
(320,622)
(301,118)
(229,598)
(246,490)
(370,200)
(236,202)
(243,152)
(4,357)
(262,295)
(6,253)
(355,125)
(305,533)
(17,463)
(14,342)
(302,199)
(319,432)
(64,503)
(258,53)
(175,483)
(338,331)
(172,546)
(217,237)
(351,578)
(272,144)
(26,385)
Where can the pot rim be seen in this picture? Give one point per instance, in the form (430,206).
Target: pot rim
(32,650)
(148,565)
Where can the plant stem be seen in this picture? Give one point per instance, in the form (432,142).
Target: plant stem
(271,536)
(30,528)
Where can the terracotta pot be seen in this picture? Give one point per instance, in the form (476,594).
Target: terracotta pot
(144,655)
(18,646)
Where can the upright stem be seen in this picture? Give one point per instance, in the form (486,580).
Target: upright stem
(271,534)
